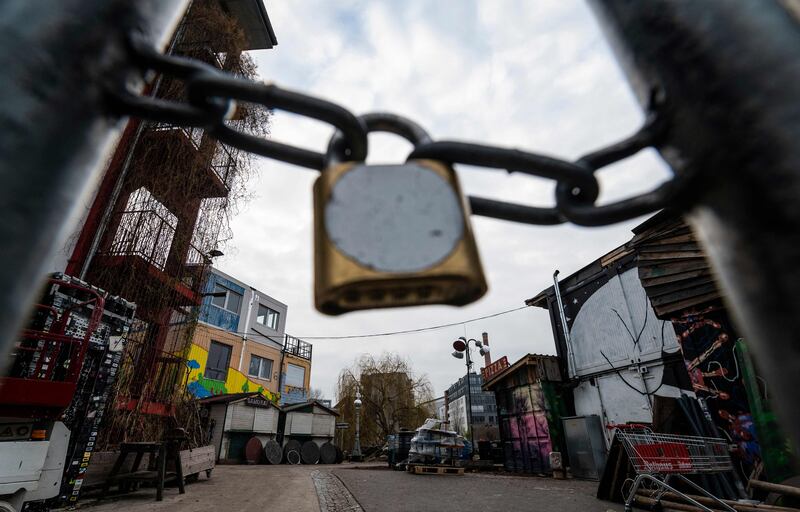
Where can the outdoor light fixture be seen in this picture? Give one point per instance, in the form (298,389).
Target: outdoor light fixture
(458,355)
(215,253)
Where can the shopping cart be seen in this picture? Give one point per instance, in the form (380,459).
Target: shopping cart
(658,458)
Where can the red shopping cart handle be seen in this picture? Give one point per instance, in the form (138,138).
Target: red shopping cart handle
(624,426)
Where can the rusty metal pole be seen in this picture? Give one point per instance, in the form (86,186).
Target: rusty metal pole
(56,129)
(729,75)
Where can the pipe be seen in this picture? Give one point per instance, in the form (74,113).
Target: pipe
(727,73)
(56,76)
(564,327)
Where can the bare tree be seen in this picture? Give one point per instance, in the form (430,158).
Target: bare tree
(315,394)
(393,397)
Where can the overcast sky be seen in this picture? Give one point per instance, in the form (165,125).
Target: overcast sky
(535,75)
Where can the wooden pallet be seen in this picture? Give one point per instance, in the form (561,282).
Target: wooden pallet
(436,470)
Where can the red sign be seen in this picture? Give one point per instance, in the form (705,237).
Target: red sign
(494,368)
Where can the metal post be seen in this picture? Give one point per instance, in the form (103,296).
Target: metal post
(53,79)
(728,75)
(357,444)
(564,327)
(469,399)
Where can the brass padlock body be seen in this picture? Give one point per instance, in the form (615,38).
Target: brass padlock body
(391,236)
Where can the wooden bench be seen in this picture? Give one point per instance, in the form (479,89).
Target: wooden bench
(156,473)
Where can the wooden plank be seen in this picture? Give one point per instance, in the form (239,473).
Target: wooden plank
(689,246)
(437,470)
(680,286)
(665,268)
(671,278)
(672,255)
(692,301)
(684,294)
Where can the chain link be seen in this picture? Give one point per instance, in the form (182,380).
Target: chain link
(212,95)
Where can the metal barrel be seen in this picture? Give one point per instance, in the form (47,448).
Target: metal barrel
(289,446)
(327,453)
(309,453)
(273,453)
(253,451)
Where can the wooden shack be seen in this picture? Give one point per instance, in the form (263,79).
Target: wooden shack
(529,410)
(310,420)
(233,419)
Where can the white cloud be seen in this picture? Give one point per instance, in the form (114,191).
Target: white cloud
(533,75)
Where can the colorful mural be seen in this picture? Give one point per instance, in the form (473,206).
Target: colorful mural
(709,352)
(236,382)
(524,428)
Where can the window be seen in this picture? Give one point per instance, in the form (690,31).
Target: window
(219,357)
(231,301)
(268,317)
(260,367)
(295,376)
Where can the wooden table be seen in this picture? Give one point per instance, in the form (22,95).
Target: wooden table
(156,472)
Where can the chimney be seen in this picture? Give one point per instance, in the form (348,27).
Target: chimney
(487,357)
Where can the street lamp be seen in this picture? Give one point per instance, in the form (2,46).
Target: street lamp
(461,346)
(357,444)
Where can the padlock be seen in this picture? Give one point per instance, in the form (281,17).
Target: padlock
(392,235)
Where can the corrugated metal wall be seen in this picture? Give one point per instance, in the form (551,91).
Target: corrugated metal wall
(618,323)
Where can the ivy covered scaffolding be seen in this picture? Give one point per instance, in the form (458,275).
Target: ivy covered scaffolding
(161,214)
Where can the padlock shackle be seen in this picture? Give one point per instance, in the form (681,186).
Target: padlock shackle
(377,122)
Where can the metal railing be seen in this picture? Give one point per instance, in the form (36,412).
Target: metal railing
(143,233)
(297,347)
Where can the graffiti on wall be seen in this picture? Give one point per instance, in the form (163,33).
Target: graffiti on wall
(235,382)
(525,428)
(709,352)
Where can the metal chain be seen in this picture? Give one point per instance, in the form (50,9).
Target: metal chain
(212,95)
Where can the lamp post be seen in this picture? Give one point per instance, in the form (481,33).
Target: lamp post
(461,346)
(357,444)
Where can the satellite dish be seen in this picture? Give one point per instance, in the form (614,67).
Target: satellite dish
(460,345)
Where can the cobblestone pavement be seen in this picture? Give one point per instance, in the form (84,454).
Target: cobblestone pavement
(383,490)
(333,495)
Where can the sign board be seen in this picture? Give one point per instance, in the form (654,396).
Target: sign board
(494,368)
(257,401)
(342,426)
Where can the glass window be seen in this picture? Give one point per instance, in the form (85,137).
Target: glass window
(295,376)
(260,367)
(219,301)
(219,357)
(231,301)
(268,317)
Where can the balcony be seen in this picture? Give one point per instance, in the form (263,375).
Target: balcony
(297,347)
(141,261)
(205,168)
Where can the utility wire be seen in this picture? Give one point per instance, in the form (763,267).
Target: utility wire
(379,334)
(411,331)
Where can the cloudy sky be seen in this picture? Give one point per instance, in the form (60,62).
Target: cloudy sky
(535,75)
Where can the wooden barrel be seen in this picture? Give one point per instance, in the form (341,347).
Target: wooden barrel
(293,457)
(253,450)
(327,453)
(290,445)
(273,452)
(309,452)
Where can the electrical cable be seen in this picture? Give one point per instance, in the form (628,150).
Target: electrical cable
(391,333)
(643,393)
